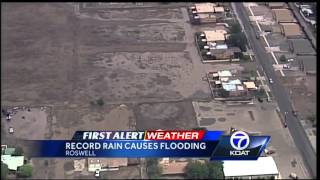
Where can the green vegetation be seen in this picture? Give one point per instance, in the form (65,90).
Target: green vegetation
(237,38)
(24,171)
(98,102)
(215,170)
(199,128)
(245,57)
(283,58)
(153,169)
(224,93)
(235,28)
(4,171)
(261,93)
(18,151)
(312,117)
(207,170)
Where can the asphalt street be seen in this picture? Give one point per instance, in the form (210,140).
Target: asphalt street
(280,94)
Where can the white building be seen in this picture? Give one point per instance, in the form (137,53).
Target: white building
(264,167)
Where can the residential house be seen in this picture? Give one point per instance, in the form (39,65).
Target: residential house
(207,12)
(291,30)
(7,157)
(283,16)
(234,88)
(215,36)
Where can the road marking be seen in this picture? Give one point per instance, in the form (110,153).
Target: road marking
(263,85)
(265,39)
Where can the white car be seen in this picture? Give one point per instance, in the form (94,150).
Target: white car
(97,173)
(11,130)
(270,80)
(290,60)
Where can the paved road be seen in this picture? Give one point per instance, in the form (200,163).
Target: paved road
(297,132)
(304,24)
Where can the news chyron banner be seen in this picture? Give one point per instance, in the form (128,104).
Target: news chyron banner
(187,143)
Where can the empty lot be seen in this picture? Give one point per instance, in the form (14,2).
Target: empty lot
(53,56)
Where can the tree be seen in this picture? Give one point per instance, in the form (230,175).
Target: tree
(196,170)
(283,58)
(4,171)
(25,171)
(153,169)
(207,170)
(224,93)
(215,170)
(199,128)
(239,40)
(18,152)
(312,117)
(100,102)
(235,28)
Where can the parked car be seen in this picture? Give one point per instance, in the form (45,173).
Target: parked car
(271,81)
(286,66)
(258,35)
(290,60)
(97,173)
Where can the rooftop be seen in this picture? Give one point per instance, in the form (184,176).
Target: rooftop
(204,16)
(283,15)
(13,162)
(216,35)
(302,47)
(174,168)
(102,163)
(218,9)
(264,165)
(309,63)
(276,4)
(224,73)
(250,85)
(9,151)
(291,29)
(205,7)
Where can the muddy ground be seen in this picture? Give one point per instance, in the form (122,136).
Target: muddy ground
(55,56)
